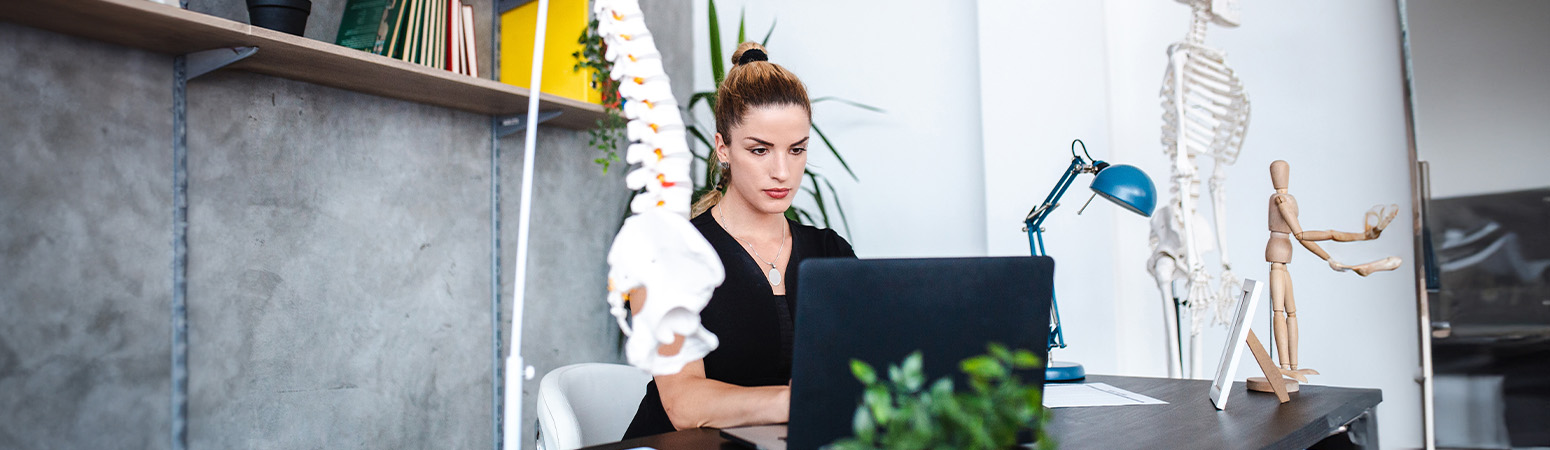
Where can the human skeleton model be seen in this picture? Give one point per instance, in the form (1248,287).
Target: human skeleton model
(657,252)
(1278,252)
(1205,111)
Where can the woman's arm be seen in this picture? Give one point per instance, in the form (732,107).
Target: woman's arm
(693,401)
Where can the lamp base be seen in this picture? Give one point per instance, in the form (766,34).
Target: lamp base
(1064,371)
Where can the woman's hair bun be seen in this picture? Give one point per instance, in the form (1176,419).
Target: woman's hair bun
(749,52)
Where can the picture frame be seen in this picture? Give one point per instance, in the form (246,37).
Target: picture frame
(1237,338)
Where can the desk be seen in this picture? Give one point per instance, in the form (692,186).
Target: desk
(1252,420)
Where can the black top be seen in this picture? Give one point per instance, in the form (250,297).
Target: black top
(755,326)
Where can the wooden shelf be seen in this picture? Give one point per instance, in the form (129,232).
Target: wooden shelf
(165,29)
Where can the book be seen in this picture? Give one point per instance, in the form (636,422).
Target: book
(385,26)
(439,35)
(468,36)
(360,22)
(455,37)
(433,33)
(417,33)
(397,37)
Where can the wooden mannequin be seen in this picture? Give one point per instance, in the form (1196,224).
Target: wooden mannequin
(1278,252)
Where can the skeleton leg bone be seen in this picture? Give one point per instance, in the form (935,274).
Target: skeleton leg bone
(1163,270)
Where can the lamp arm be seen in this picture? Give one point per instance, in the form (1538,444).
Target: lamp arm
(1036,216)
(1033,226)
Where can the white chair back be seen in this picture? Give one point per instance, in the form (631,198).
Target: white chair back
(587,404)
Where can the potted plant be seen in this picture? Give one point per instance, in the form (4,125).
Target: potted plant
(610,129)
(286,16)
(902,412)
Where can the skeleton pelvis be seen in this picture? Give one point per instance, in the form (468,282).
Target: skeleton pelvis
(1168,231)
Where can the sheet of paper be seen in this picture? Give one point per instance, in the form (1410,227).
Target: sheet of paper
(1092,394)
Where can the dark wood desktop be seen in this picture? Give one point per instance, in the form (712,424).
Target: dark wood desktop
(1252,420)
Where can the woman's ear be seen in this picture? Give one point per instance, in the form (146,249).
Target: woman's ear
(721,148)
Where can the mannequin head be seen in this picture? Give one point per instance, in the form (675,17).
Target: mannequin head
(763,116)
(1280,175)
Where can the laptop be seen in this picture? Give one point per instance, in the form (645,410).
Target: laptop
(881,310)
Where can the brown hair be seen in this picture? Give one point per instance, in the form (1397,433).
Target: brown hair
(752,84)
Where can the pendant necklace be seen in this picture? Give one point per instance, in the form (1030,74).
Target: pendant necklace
(774,275)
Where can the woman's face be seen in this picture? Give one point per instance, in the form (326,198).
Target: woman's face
(768,156)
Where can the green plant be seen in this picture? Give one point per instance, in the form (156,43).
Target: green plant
(610,129)
(817,186)
(902,413)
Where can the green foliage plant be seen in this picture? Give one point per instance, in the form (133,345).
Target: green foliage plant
(609,131)
(605,137)
(902,412)
(817,186)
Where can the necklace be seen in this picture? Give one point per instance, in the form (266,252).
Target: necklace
(774,274)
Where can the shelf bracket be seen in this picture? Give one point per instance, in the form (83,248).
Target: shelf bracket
(510,125)
(206,61)
(508,5)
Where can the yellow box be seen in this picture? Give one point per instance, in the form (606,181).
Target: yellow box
(567,19)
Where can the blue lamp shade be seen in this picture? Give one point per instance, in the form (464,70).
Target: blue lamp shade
(1127,186)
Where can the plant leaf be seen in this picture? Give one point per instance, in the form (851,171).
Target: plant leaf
(1024,359)
(717,70)
(817,195)
(766,41)
(867,107)
(742,18)
(863,425)
(708,96)
(800,215)
(839,207)
(836,152)
(863,371)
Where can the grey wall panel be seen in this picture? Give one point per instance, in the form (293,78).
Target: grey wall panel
(672,26)
(85,243)
(339,269)
(576,211)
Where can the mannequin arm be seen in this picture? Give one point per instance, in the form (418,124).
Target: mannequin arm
(1380,214)
(1291,219)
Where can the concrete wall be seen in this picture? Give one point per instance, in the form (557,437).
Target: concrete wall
(86,232)
(342,271)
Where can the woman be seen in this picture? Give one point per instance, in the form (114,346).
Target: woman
(762,120)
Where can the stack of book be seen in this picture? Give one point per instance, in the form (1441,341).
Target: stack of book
(432,33)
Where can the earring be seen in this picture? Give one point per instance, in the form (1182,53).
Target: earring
(724,165)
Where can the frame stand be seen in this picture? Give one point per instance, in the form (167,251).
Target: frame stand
(1272,381)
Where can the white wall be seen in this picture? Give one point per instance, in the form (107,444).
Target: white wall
(984,99)
(1481,97)
(917,60)
(1324,79)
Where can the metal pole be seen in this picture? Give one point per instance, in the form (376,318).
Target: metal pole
(516,370)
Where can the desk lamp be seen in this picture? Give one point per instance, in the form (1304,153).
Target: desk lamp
(1126,186)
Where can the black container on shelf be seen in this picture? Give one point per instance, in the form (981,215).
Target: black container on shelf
(288,16)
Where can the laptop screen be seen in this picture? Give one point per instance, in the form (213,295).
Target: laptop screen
(880,311)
